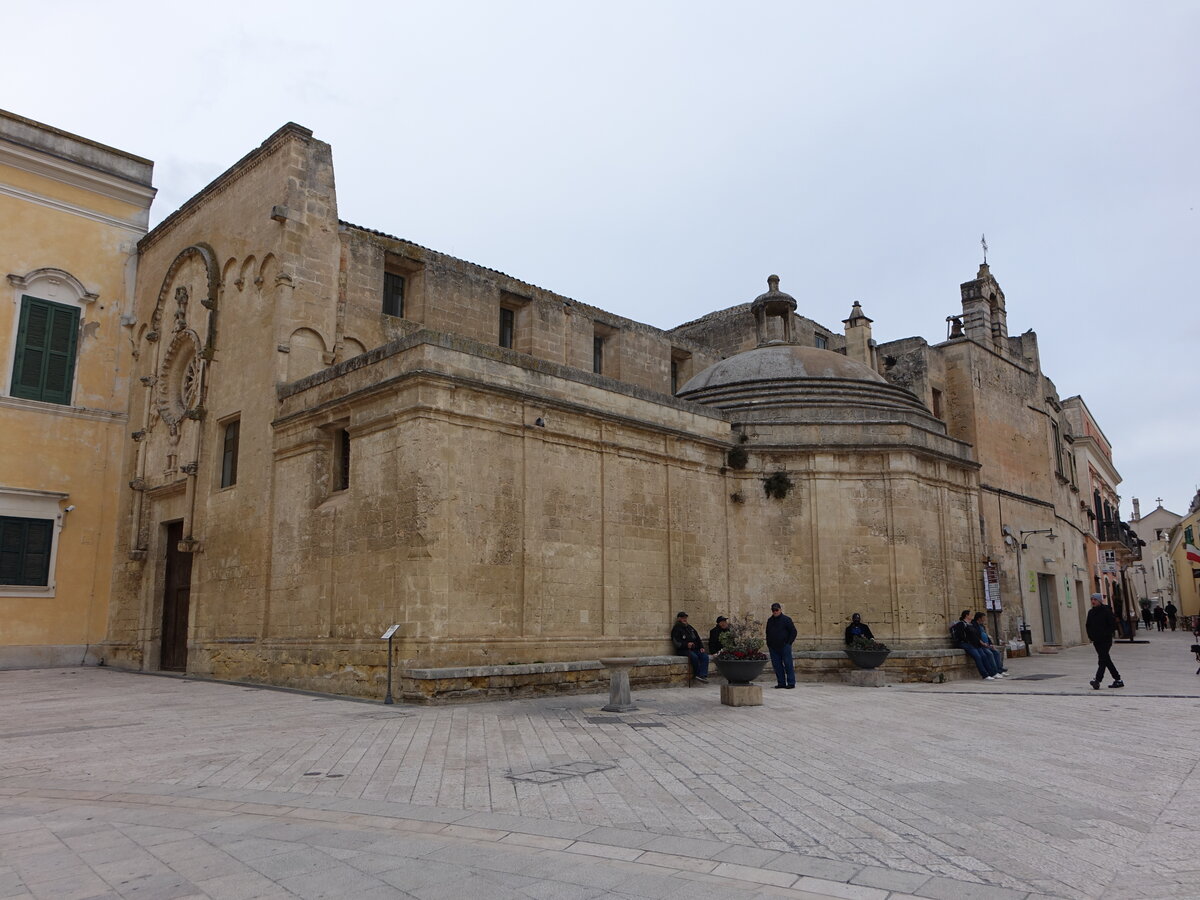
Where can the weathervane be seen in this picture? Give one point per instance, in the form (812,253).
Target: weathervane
(983,243)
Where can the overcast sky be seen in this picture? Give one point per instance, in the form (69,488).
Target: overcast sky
(660,159)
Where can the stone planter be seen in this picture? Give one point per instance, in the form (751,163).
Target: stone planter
(868,659)
(739,671)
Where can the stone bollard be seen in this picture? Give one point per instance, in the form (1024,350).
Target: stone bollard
(618,667)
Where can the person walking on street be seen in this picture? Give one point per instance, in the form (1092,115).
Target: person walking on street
(1147,616)
(781,634)
(1101,626)
(1172,611)
(687,643)
(1160,618)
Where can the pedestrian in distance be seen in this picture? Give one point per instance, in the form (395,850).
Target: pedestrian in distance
(1147,616)
(781,634)
(1160,618)
(858,628)
(966,638)
(687,643)
(985,643)
(714,635)
(1172,611)
(1101,626)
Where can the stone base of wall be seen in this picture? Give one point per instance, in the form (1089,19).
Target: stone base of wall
(356,669)
(901,666)
(50,656)
(473,683)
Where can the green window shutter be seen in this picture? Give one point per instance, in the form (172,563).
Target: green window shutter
(25,550)
(46,342)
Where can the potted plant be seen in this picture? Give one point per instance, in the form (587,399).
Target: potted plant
(741,659)
(867,653)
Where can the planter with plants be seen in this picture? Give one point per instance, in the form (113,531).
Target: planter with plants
(741,659)
(867,653)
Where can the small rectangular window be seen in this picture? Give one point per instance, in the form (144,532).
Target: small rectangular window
(821,341)
(25,550)
(393,294)
(341,460)
(598,354)
(674,376)
(44,366)
(229,453)
(507,319)
(937,403)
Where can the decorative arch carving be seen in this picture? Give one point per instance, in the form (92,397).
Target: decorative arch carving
(229,270)
(267,271)
(306,353)
(208,298)
(50,273)
(352,347)
(246,273)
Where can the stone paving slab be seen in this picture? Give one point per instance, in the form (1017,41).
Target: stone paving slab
(996,791)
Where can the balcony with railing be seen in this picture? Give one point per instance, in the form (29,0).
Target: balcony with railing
(1120,537)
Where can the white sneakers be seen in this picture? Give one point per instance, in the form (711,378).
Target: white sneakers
(995,677)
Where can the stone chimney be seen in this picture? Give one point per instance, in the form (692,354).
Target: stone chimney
(858,336)
(1137,510)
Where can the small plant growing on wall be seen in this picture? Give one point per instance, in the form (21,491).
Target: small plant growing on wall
(777,485)
(737,497)
(737,458)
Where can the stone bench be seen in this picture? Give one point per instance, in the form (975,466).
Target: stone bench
(930,665)
(467,684)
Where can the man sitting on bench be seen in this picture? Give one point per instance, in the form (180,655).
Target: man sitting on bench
(687,643)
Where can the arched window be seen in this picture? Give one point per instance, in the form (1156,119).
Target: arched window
(49,306)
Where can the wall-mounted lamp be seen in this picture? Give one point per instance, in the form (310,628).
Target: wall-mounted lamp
(1049,532)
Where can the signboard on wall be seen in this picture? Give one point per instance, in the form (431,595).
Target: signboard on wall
(991,586)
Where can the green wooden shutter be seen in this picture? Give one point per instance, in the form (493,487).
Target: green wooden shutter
(25,550)
(46,341)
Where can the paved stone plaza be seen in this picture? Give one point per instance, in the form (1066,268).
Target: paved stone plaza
(121,785)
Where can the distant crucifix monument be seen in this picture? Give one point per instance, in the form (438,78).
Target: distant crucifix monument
(983,243)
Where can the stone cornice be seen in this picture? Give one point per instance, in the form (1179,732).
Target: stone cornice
(55,409)
(42,164)
(137,226)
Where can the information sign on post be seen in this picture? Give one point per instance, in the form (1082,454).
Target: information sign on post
(991,587)
(387,636)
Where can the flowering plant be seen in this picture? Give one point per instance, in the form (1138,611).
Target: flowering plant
(862,642)
(744,639)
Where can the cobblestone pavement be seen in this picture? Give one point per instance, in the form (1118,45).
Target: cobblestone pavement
(115,784)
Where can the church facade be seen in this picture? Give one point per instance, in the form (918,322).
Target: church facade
(334,430)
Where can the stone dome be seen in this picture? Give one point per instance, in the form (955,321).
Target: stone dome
(794,383)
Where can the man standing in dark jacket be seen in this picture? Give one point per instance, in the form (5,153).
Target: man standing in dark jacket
(781,634)
(1101,626)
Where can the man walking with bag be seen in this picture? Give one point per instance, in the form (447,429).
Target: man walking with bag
(1101,626)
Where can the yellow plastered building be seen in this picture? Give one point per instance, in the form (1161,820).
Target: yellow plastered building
(1187,573)
(71,213)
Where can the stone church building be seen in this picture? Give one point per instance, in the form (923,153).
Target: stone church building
(333,431)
